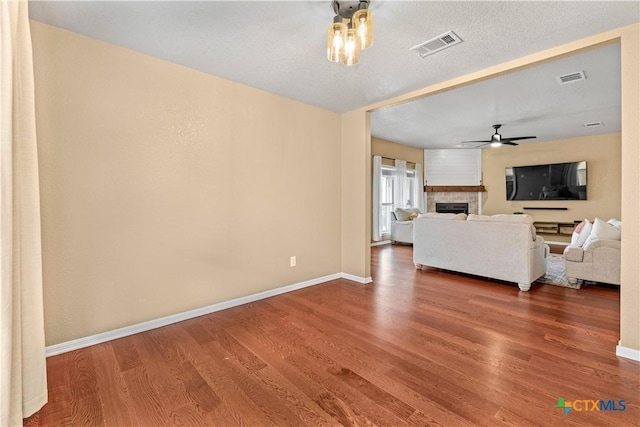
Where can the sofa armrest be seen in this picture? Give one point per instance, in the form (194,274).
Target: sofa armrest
(573,253)
(592,245)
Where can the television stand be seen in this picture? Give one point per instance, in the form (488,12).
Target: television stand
(551,228)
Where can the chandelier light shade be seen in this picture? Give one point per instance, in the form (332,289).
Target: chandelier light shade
(351,31)
(351,48)
(335,41)
(363,22)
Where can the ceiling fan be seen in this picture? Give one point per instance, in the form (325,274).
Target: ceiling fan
(496,140)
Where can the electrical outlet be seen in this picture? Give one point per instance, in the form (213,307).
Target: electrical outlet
(292,261)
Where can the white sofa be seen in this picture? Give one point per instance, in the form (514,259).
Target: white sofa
(501,247)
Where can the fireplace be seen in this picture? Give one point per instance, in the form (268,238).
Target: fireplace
(452,208)
(472,200)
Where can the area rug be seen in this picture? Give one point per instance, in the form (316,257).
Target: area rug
(556,273)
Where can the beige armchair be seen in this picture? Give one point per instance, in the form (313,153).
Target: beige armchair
(402,225)
(598,260)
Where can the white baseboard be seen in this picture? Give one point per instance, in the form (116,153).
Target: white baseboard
(381,242)
(79,343)
(628,353)
(358,279)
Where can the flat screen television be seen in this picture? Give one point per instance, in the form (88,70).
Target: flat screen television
(557,181)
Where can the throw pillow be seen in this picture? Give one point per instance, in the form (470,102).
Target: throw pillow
(616,223)
(603,230)
(581,232)
(413,215)
(402,214)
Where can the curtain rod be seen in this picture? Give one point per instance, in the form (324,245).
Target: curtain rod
(389,158)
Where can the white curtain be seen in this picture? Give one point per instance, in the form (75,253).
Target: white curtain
(375,198)
(418,188)
(23,380)
(400,195)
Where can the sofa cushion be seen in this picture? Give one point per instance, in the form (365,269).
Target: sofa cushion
(437,215)
(474,217)
(581,232)
(517,218)
(511,218)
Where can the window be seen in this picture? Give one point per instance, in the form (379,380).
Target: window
(408,188)
(387,193)
(386,200)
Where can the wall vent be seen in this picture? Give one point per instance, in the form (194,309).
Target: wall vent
(593,124)
(571,78)
(436,44)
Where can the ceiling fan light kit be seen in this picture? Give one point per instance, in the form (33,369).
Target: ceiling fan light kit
(350,32)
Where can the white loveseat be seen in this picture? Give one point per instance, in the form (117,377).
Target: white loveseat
(402,225)
(598,258)
(597,261)
(501,247)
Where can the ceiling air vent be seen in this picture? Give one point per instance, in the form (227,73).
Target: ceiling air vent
(571,78)
(593,124)
(437,44)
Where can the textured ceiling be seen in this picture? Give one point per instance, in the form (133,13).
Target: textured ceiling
(280,46)
(527,102)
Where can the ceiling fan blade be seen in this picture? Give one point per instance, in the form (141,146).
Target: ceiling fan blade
(517,138)
(475,142)
(509,143)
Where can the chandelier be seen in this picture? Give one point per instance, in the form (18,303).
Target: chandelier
(351,31)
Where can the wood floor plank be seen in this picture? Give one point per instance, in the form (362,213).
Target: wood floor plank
(162,369)
(414,348)
(276,411)
(381,397)
(276,360)
(236,404)
(297,401)
(198,391)
(112,390)
(244,356)
(345,403)
(148,405)
(85,404)
(126,354)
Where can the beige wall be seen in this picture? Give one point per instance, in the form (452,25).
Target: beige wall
(629,37)
(393,150)
(630,289)
(602,153)
(356,204)
(165,189)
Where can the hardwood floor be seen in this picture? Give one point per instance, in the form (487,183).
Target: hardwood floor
(414,348)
